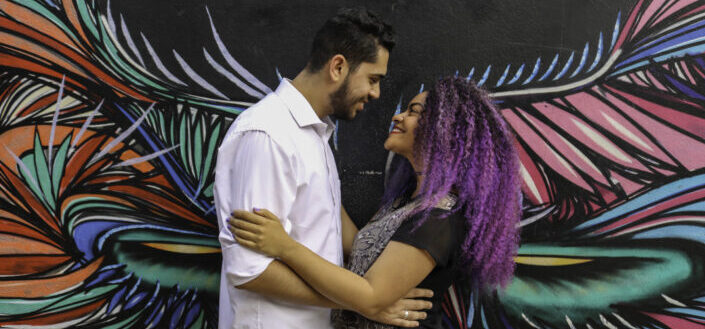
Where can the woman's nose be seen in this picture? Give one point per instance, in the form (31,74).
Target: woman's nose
(398,117)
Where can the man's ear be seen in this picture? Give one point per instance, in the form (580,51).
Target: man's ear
(337,68)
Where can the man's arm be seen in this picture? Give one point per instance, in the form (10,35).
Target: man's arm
(254,171)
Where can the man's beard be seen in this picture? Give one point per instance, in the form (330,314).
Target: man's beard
(339,101)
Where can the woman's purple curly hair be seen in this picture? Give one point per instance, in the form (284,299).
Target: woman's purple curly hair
(468,149)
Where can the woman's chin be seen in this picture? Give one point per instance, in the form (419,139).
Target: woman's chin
(387,146)
(391,146)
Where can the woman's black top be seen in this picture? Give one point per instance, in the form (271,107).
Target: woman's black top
(441,238)
(441,235)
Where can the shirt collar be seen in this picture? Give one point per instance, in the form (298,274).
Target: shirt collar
(301,109)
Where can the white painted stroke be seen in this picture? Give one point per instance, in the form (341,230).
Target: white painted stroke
(570,86)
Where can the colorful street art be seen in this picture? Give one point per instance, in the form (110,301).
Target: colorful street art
(106,175)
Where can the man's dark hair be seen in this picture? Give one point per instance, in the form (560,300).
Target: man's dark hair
(353,32)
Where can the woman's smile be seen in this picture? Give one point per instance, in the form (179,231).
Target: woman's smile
(396,130)
(405,122)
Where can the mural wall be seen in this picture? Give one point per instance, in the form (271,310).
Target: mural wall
(111,114)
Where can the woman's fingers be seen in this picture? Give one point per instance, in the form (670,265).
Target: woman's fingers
(241,224)
(413,301)
(248,216)
(413,315)
(416,304)
(419,293)
(245,243)
(405,323)
(266,213)
(409,319)
(242,234)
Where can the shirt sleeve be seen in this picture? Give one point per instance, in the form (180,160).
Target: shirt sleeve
(251,171)
(436,235)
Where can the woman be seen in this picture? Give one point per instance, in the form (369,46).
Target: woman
(449,212)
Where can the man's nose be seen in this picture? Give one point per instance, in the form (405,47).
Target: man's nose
(375,92)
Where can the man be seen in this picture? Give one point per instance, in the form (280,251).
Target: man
(276,156)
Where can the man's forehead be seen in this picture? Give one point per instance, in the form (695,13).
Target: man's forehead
(377,68)
(382,57)
(370,72)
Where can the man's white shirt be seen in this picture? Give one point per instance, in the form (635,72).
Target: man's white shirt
(276,156)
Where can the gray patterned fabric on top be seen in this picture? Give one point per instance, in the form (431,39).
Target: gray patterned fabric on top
(369,243)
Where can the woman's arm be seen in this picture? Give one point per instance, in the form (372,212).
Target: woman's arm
(399,268)
(287,280)
(349,231)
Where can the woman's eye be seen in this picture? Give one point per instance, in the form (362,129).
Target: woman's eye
(415,108)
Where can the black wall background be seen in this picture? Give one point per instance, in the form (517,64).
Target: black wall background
(435,38)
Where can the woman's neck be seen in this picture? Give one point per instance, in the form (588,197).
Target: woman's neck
(418,188)
(419,179)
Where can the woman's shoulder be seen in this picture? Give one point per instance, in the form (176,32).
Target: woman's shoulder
(437,231)
(445,208)
(447,202)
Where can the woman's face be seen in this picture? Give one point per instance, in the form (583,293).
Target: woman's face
(401,138)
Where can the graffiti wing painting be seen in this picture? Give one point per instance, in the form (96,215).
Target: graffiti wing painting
(106,174)
(106,195)
(612,163)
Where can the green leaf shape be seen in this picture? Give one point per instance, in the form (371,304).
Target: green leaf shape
(208,165)
(149,235)
(15,307)
(152,265)
(31,182)
(224,109)
(40,8)
(109,50)
(88,19)
(198,145)
(43,182)
(72,212)
(59,164)
(38,165)
(82,298)
(112,56)
(197,134)
(616,274)
(208,191)
(18,307)
(127,323)
(42,174)
(184,142)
